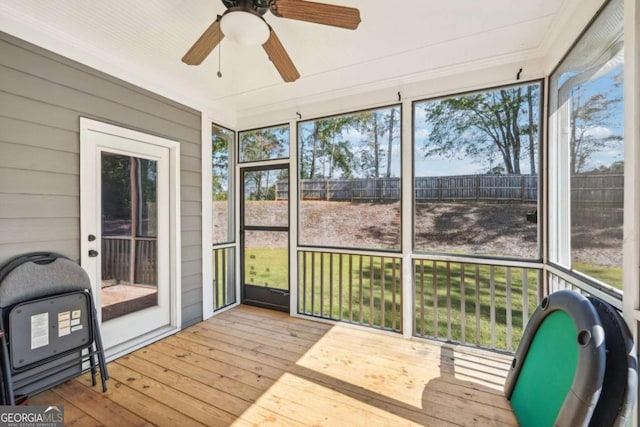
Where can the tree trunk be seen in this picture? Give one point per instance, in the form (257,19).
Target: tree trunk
(314,152)
(376,145)
(532,151)
(302,175)
(573,143)
(392,120)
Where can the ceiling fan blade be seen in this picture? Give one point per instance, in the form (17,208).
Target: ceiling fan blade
(205,44)
(319,13)
(280,58)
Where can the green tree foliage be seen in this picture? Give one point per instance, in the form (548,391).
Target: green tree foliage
(123,179)
(349,146)
(500,124)
(325,152)
(261,184)
(590,111)
(380,130)
(116,187)
(264,144)
(221,140)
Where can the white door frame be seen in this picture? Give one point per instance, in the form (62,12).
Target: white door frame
(88,191)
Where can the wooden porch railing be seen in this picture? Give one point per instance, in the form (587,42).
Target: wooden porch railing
(117,261)
(355,288)
(475,304)
(559,278)
(224,290)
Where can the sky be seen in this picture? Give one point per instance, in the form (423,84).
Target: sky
(463,165)
(460,164)
(615,151)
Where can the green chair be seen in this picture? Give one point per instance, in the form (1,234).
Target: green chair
(557,374)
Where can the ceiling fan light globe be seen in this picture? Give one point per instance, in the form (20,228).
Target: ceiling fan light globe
(245,28)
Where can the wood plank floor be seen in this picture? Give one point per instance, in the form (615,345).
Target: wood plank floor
(250,366)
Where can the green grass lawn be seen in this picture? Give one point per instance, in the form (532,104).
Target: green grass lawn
(361,289)
(267,267)
(475,324)
(224,284)
(609,275)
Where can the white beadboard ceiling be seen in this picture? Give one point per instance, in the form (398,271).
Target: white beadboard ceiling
(144,40)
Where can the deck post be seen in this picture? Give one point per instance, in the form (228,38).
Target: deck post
(407,219)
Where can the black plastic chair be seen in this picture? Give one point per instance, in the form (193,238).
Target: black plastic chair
(48,324)
(620,384)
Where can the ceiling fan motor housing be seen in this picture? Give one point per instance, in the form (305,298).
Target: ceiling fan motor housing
(260,6)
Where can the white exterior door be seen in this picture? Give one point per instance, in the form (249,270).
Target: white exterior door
(129,233)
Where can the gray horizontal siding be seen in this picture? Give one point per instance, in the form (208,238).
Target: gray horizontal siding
(66,247)
(191,208)
(29,134)
(21,181)
(191,253)
(32,158)
(21,206)
(42,97)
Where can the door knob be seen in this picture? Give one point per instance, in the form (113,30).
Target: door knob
(93,253)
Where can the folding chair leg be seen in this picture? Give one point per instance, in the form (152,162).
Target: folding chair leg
(92,364)
(9,397)
(104,373)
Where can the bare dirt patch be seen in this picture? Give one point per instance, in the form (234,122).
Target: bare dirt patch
(477,228)
(349,224)
(482,228)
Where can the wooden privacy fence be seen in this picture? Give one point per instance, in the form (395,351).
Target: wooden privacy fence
(350,189)
(427,188)
(477,187)
(586,189)
(606,190)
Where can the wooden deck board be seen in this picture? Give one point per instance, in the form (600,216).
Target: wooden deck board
(254,367)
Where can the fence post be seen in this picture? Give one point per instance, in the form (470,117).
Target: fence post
(522,182)
(326,190)
(477,187)
(351,189)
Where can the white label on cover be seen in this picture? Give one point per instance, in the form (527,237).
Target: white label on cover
(64,328)
(39,330)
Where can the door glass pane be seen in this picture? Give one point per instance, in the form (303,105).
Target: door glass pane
(266,259)
(147,193)
(129,235)
(116,195)
(266,205)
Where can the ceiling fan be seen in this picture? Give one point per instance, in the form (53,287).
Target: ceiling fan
(243,22)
